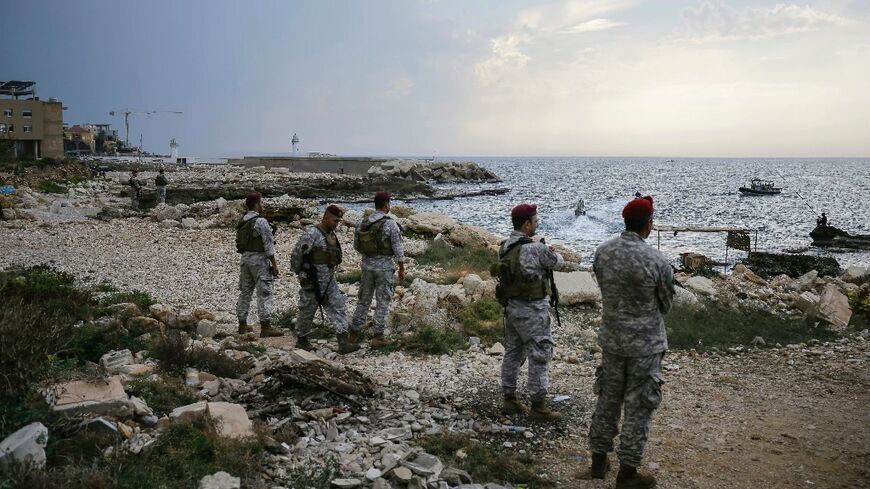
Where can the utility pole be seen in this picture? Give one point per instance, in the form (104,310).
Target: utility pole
(127,113)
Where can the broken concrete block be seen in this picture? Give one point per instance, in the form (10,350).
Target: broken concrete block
(496,349)
(233,421)
(114,360)
(99,397)
(701,285)
(189,411)
(807,302)
(26,445)
(424,465)
(220,480)
(206,328)
(577,288)
(834,308)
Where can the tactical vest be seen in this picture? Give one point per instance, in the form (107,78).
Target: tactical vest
(372,241)
(331,255)
(245,238)
(512,282)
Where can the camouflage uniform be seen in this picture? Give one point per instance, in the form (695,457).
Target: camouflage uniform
(161,182)
(378,277)
(136,189)
(637,288)
(334,302)
(256,273)
(527,323)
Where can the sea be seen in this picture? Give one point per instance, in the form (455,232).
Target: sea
(699,192)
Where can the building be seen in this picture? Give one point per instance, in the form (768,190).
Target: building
(80,139)
(29,127)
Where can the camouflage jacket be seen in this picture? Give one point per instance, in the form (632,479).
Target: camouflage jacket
(392,231)
(637,289)
(536,261)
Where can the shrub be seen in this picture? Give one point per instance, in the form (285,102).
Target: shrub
(457,259)
(719,326)
(138,297)
(483,462)
(435,341)
(484,319)
(175,355)
(50,187)
(162,395)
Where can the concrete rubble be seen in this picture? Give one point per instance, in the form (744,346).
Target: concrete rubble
(27,445)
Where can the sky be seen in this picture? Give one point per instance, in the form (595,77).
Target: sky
(457,77)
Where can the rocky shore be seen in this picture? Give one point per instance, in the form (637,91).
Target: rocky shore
(747,415)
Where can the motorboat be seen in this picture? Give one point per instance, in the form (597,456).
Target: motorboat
(760,187)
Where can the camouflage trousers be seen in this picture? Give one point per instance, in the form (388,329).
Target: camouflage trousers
(527,337)
(334,307)
(379,284)
(161,195)
(255,274)
(635,385)
(134,201)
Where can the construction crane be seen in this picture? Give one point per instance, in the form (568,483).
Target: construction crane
(128,113)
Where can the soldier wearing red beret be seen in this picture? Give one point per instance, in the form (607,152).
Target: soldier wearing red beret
(524,289)
(637,290)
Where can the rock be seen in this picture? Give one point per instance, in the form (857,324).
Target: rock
(473,341)
(189,223)
(496,349)
(701,285)
(758,341)
(85,397)
(402,211)
(685,298)
(164,313)
(220,480)
(856,275)
(402,474)
(752,277)
(424,465)
(304,356)
(138,369)
(772,264)
(694,261)
(145,324)
(346,483)
(114,360)
(834,308)
(125,310)
(740,269)
(26,445)
(199,314)
(577,288)
(806,281)
(429,223)
(471,237)
(381,484)
(232,419)
(139,407)
(189,411)
(373,474)
(100,425)
(394,434)
(473,285)
(164,212)
(455,477)
(807,302)
(169,224)
(206,328)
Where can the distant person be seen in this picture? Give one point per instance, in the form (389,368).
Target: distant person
(822,221)
(637,288)
(258,267)
(315,257)
(637,195)
(524,290)
(378,239)
(161,183)
(135,189)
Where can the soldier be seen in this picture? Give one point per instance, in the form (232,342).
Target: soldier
(379,240)
(258,269)
(523,290)
(637,288)
(161,183)
(314,259)
(135,189)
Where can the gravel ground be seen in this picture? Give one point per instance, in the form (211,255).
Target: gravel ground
(789,417)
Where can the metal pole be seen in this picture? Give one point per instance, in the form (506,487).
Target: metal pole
(659,240)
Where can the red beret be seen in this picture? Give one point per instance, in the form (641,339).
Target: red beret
(639,209)
(335,210)
(253,198)
(524,210)
(383,196)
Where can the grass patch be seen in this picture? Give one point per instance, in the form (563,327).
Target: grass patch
(482,462)
(138,297)
(434,341)
(319,331)
(313,477)
(349,277)
(718,326)
(457,260)
(175,355)
(162,395)
(484,319)
(50,187)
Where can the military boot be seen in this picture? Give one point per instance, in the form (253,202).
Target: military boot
(266,330)
(353,337)
(629,478)
(379,341)
(344,344)
(302,343)
(600,465)
(541,412)
(244,328)
(512,405)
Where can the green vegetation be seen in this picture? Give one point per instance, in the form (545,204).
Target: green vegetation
(718,326)
(50,187)
(457,260)
(859,302)
(162,395)
(314,477)
(349,277)
(482,462)
(320,331)
(484,319)
(175,355)
(138,297)
(432,340)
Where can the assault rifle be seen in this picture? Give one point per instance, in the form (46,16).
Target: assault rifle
(554,293)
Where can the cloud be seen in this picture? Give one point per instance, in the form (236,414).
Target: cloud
(505,57)
(712,20)
(592,25)
(558,16)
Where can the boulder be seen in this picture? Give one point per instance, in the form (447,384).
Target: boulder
(402,211)
(26,445)
(577,288)
(206,328)
(169,224)
(856,275)
(807,302)
(232,419)
(199,314)
(189,223)
(806,281)
(496,349)
(125,310)
(754,278)
(473,285)
(91,397)
(694,261)
(114,360)
(771,264)
(164,313)
(189,411)
(424,464)
(701,285)
(164,212)
(455,477)
(145,324)
(472,237)
(428,223)
(834,308)
(685,298)
(220,480)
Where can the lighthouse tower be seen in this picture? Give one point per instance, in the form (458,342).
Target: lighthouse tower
(173,146)
(295,142)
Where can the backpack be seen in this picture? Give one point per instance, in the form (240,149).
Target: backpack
(512,283)
(245,239)
(370,237)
